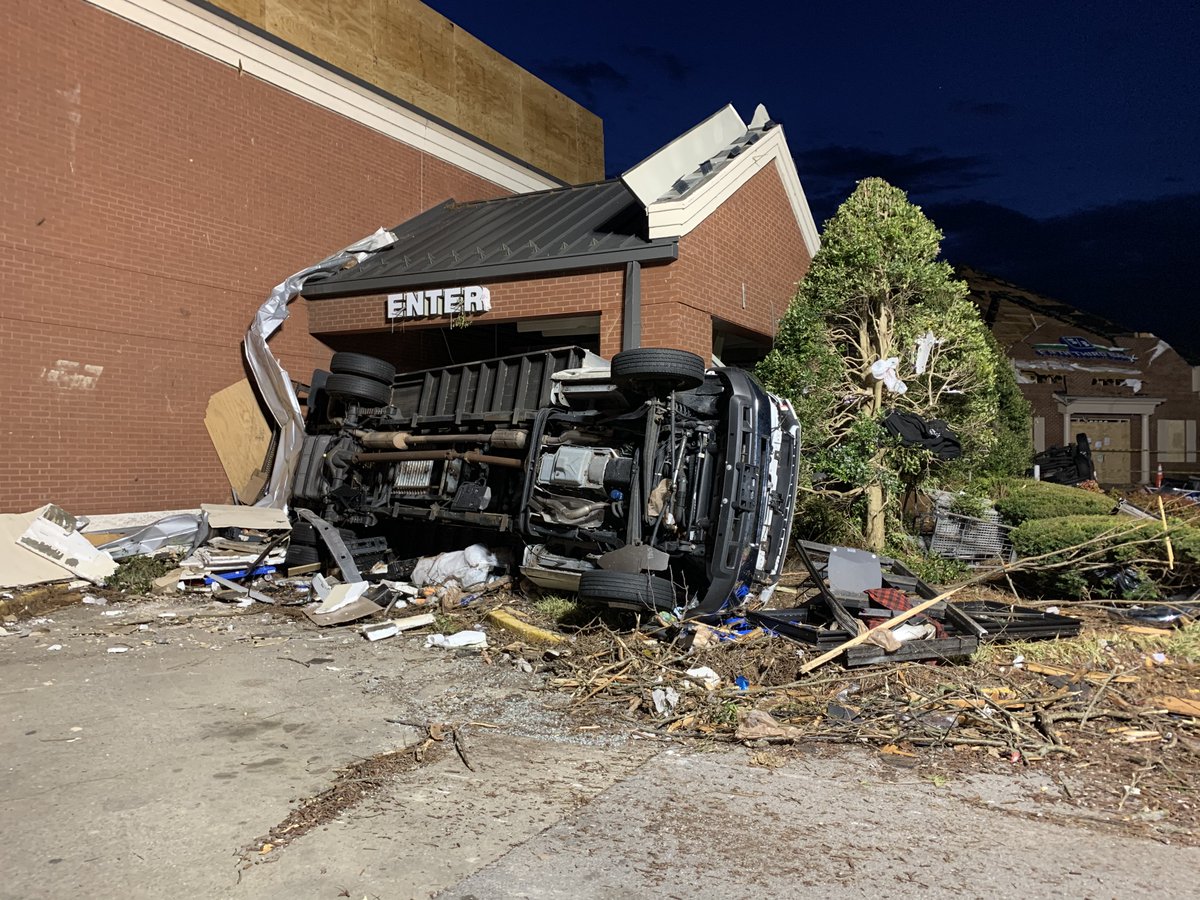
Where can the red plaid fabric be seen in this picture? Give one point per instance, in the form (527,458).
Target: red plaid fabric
(897,600)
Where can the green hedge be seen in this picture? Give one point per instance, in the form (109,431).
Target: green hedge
(1025,500)
(1037,537)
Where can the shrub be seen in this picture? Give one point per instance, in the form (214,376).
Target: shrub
(1027,500)
(934,570)
(1120,542)
(136,574)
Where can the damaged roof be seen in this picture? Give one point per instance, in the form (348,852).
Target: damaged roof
(559,230)
(711,167)
(988,292)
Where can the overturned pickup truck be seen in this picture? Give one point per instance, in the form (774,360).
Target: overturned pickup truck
(647,483)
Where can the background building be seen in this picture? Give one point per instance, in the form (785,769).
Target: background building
(1135,397)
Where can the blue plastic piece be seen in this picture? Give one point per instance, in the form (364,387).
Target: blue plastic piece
(242,573)
(742,682)
(615,494)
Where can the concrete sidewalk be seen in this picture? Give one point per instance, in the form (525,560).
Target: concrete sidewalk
(146,773)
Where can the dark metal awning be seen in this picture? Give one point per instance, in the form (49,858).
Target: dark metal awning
(548,232)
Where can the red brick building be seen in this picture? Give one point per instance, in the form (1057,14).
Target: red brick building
(168,162)
(1134,396)
(163,167)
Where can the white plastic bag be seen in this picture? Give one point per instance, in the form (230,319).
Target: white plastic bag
(468,567)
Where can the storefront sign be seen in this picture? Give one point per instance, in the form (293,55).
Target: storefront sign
(454,301)
(1082,348)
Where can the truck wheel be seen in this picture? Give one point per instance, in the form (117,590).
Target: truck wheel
(362,390)
(656,372)
(366,366)
(626,590)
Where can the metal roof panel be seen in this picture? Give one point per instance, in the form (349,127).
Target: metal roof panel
(563,229)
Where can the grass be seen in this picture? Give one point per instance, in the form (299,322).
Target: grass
(557,609)
(726,714)
(446,624)
(1097,647)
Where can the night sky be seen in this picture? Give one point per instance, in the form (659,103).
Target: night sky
(1056,144)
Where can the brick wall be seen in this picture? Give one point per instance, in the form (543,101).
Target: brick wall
(751,240)
(530,298)
(151,198)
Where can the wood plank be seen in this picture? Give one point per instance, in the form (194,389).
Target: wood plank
(241,435)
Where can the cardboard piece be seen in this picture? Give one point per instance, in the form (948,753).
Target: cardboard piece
(338,596)
(352,612)
(51,534)
(259,518)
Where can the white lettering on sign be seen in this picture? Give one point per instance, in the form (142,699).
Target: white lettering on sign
(454,301)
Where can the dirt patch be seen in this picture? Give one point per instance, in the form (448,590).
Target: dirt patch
(36,602)
(353,786)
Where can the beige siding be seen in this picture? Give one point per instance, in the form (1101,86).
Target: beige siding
(423,58)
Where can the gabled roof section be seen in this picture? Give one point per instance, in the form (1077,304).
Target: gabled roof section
(710,163)
(561,230)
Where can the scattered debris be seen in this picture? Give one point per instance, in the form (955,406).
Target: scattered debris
(378,631)
(469,567)
(44,545)
(182,531)
(460,640)
(705,677)
(351,787)
(759,725)
(350,612)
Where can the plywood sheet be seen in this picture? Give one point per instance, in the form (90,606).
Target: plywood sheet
(240,433)
(487,85)
(1111,453)
(546,128)
(417,54)
(250,10)
(225,515)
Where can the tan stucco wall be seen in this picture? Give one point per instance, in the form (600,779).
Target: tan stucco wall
(423,58)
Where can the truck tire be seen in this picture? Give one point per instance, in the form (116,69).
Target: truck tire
(655,372)
(301,555)
(360,389)
(626,590)
(362,365)
(303,534)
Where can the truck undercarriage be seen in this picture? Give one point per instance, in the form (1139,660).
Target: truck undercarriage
(649,483)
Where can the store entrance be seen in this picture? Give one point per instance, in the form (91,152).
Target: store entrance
(412,349)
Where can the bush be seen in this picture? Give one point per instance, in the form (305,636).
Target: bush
(934,570)
(1028,500)
(1123,543)
(136,574)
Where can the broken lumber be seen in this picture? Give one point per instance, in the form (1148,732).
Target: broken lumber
(884,626)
